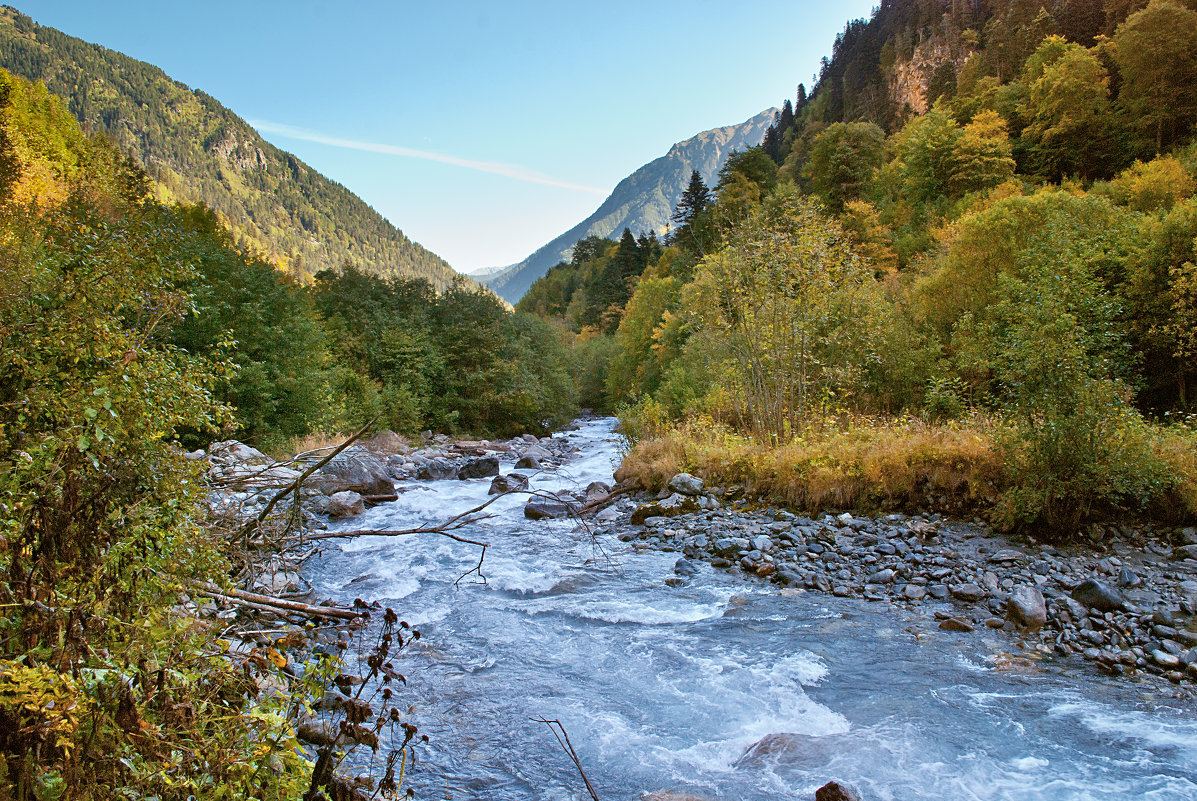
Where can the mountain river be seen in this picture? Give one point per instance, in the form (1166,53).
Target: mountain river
(665,687)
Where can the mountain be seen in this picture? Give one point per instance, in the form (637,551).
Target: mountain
(642,202)
(196,150)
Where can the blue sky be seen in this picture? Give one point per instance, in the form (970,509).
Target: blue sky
(483,130)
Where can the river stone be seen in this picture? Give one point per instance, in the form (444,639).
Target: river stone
(672,506)
(536,452)
(233,451)
(1128,578)
(970,593)
(1026,609)
(686,484)
(355,469)
(834,791)
(914,592)
(541,508)
(437,470)
(346,504)
(512,482)
(1185,552)
(881,577)
(1165,659)
(956,624)
(484,467)
(1096,595)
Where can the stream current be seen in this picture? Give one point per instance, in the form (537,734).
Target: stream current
(665,687)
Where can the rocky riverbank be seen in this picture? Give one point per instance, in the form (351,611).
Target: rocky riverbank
(1126,600)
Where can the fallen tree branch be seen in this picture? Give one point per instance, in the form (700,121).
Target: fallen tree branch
(269,603)
(559,732)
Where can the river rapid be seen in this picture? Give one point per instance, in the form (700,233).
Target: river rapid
(663,687)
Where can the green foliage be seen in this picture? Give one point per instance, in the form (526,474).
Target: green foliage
(842,161)
(1156,51)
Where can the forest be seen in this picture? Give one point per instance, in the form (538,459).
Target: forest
(975,289)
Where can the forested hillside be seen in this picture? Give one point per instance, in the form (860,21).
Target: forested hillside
(959,271)
(197,151)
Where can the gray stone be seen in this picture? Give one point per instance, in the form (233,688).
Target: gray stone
(437,470)
(1096,595)
(686,484)
(512,482)
(355,469)
(1026,609)
(345,504)
(542,508)
(1165,659)
(881,577)
(968,592)
(956,624)
(1185,552)
(537,453)
(484,467)
(527,463)
(1127,578)
(914,592)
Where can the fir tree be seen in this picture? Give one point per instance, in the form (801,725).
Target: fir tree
(696,198)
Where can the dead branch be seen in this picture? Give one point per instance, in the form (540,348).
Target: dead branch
(559,732)
(267,602)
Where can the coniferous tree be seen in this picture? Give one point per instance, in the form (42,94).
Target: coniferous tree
(696,198)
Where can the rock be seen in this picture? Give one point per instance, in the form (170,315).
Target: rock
(956,624)
(914,592)
(437,470)
(527,463)
(672,795)
(354,469)
(512,482)
(1127,578)
(233,451)
(881,577)
(346,504)
(1165,660)
(318,732)
(537,454)
(541,508)
(1026,609)
(969,593)
(1185,552)
(484,467)
(672,506)
(1006,556)
(1096,595)
(686,484)
(597,489)
(834,791)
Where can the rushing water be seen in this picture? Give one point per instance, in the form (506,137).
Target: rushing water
(666,687)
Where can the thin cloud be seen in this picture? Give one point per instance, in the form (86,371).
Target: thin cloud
(508,170)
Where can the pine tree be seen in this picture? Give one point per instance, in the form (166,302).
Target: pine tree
(696,198)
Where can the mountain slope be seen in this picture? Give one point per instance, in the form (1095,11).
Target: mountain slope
(642,202)
(199,151)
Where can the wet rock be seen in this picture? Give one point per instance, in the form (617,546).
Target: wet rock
(536,453)
(970,593)
(484,467)
(834,791)
(512,482)
(528,463)
(955,624)
(597,489)
(542,508)
(686,484)
(437,470)
(1096,595)
(1026,608)
(355,470)
(346,504)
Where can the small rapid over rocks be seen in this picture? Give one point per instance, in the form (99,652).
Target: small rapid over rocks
(722,686)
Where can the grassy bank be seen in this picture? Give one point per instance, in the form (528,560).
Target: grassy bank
(971,466)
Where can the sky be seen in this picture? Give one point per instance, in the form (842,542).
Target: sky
(481,129)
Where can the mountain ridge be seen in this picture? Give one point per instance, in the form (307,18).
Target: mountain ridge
(642,201)
(198,151)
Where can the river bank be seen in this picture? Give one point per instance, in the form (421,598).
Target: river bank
(723,684)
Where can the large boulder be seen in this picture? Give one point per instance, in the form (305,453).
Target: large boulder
(484,467)
(346,504)
(231,451)
(545,508)
(1096,595)
(538,453)
(1026,609)
(686,484)
(437,470)
(354,469)
(512,482)
(1185,552)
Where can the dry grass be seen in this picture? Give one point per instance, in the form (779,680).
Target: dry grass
(865,464)
(305,444)
(1177,449)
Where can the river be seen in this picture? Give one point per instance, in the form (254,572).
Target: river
(668,687)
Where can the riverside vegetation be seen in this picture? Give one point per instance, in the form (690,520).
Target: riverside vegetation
(981,297)
(130,331)
(976,294)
